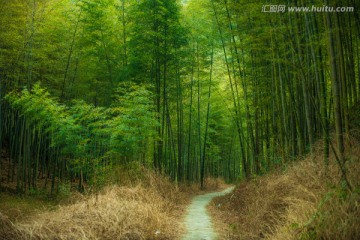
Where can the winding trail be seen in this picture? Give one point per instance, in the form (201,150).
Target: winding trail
(198,221)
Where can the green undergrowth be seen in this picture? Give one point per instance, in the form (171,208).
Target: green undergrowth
(47,140)
(17,207)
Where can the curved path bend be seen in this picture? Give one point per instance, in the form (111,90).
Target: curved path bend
(198,221)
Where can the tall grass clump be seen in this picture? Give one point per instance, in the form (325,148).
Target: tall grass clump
(148,210)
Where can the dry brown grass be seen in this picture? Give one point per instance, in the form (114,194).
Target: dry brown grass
(146,207)
(305,202)
(143,205)
(7,229)
(145,211)
(119,213)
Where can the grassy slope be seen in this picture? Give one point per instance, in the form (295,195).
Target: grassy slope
(304,202)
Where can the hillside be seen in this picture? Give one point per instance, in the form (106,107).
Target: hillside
(306,201)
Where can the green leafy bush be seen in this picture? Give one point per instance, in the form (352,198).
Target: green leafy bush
(82,139)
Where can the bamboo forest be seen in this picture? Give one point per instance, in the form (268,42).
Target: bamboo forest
(115,114)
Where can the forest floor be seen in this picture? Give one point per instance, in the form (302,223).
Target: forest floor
(198,222)
(148,209)
(307,200)
(304,201)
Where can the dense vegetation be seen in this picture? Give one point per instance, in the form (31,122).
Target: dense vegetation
(189,88)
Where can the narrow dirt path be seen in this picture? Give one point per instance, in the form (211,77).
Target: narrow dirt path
(198,221)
